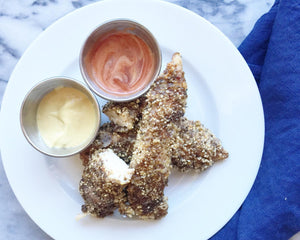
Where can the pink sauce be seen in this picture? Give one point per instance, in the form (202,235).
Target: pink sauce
(121,63)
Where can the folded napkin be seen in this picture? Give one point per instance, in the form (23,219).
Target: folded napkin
(272,51)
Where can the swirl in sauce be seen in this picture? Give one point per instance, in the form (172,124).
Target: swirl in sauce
(121,63)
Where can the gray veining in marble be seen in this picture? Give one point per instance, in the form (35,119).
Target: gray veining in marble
(21,21)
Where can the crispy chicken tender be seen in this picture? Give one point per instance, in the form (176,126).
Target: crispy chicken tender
(151,159)
(103,181)
(196,148)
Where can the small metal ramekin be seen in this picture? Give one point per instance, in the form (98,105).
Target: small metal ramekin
(29,110)
(115,26)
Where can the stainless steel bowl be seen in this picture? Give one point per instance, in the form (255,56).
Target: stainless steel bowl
(29,110)
(115,26)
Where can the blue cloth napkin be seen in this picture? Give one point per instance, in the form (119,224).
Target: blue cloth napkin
(272,51)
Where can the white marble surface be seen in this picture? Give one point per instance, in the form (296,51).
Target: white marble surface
(21,21)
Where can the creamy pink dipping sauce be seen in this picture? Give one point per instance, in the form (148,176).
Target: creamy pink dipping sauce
(120,63)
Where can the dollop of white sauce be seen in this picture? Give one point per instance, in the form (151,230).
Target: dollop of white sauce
(66,117)
(115,168)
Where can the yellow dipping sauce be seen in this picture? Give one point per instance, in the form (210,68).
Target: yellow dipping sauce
(66,118)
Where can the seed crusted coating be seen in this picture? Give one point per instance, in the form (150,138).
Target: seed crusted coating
(150,133)
(151,159)
(101,194)
(113,137)
(124,114)
(196,148)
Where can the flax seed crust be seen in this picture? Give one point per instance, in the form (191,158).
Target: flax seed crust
(100,194)
(196,147)
(125,114)
(110,136)
(151,159)
(151,133)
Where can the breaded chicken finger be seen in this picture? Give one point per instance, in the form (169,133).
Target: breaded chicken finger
(102,185)
(151,159)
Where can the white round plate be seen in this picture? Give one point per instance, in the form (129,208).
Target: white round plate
(222,94)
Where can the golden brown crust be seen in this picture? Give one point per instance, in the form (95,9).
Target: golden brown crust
(151,157)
